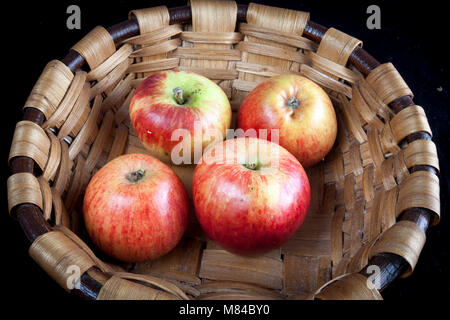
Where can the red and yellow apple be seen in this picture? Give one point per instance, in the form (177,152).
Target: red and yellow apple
(135,208)
(299,108)
(250,195)
(170,100)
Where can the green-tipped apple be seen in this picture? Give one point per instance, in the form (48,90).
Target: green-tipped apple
(171,106)
(299,108)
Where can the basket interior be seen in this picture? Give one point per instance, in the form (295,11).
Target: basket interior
(354,190)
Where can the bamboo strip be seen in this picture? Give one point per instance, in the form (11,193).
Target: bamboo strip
(153,37)
(410,120)
(213,74)
(60,212)
(110,63)
(54,157)
(62,259)
(421,152)
(118,94)
(50,88)
(387,173)
(30,140)
(331,67)
(361,258)
(400,169)
(99,143)
(221,265)
(370,96)
(149,18)
(365,112)
(157,49)
(406,239)
(122,113)
(270,51)
(388,208)
(156,65)
(294,281)
(77,184)
(264,18)
(244,85)
(368,184)
(235,287)
(207,54)
(336,237)
(212,37)
(328,200)
(325,81)
(180,264)
(277,36)
(117,288)
(375,147)
(348,287)
(68,102)
(351,120)
(46,197)
(65,165)
(77,115)
(337,46)
(388,141)
(23,188)
(356,226)
(258,69)
(89,130)
(284,20)
(420,190)
(95,47)
(162,284)
(119,143)
(388,83)
(115,75)
(366,157)
(342,139)
(352,161)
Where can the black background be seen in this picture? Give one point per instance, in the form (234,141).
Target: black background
(413,37)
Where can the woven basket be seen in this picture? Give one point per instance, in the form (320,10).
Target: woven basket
(373,197)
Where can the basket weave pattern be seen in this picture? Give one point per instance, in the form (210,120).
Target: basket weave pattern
(359,192)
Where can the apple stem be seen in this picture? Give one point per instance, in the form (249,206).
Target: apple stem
(135,176)
(292,103)
(178,95)
(253,165)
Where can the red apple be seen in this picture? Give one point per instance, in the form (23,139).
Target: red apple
(171,100)
(299,108)
(135,208)
(254,201)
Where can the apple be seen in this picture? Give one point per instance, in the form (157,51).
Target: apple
(135,208)
(250,202)
(299,108)
(170,100)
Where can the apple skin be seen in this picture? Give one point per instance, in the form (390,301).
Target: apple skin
(155,113)
(135,221)
(308,132)
(247,211)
